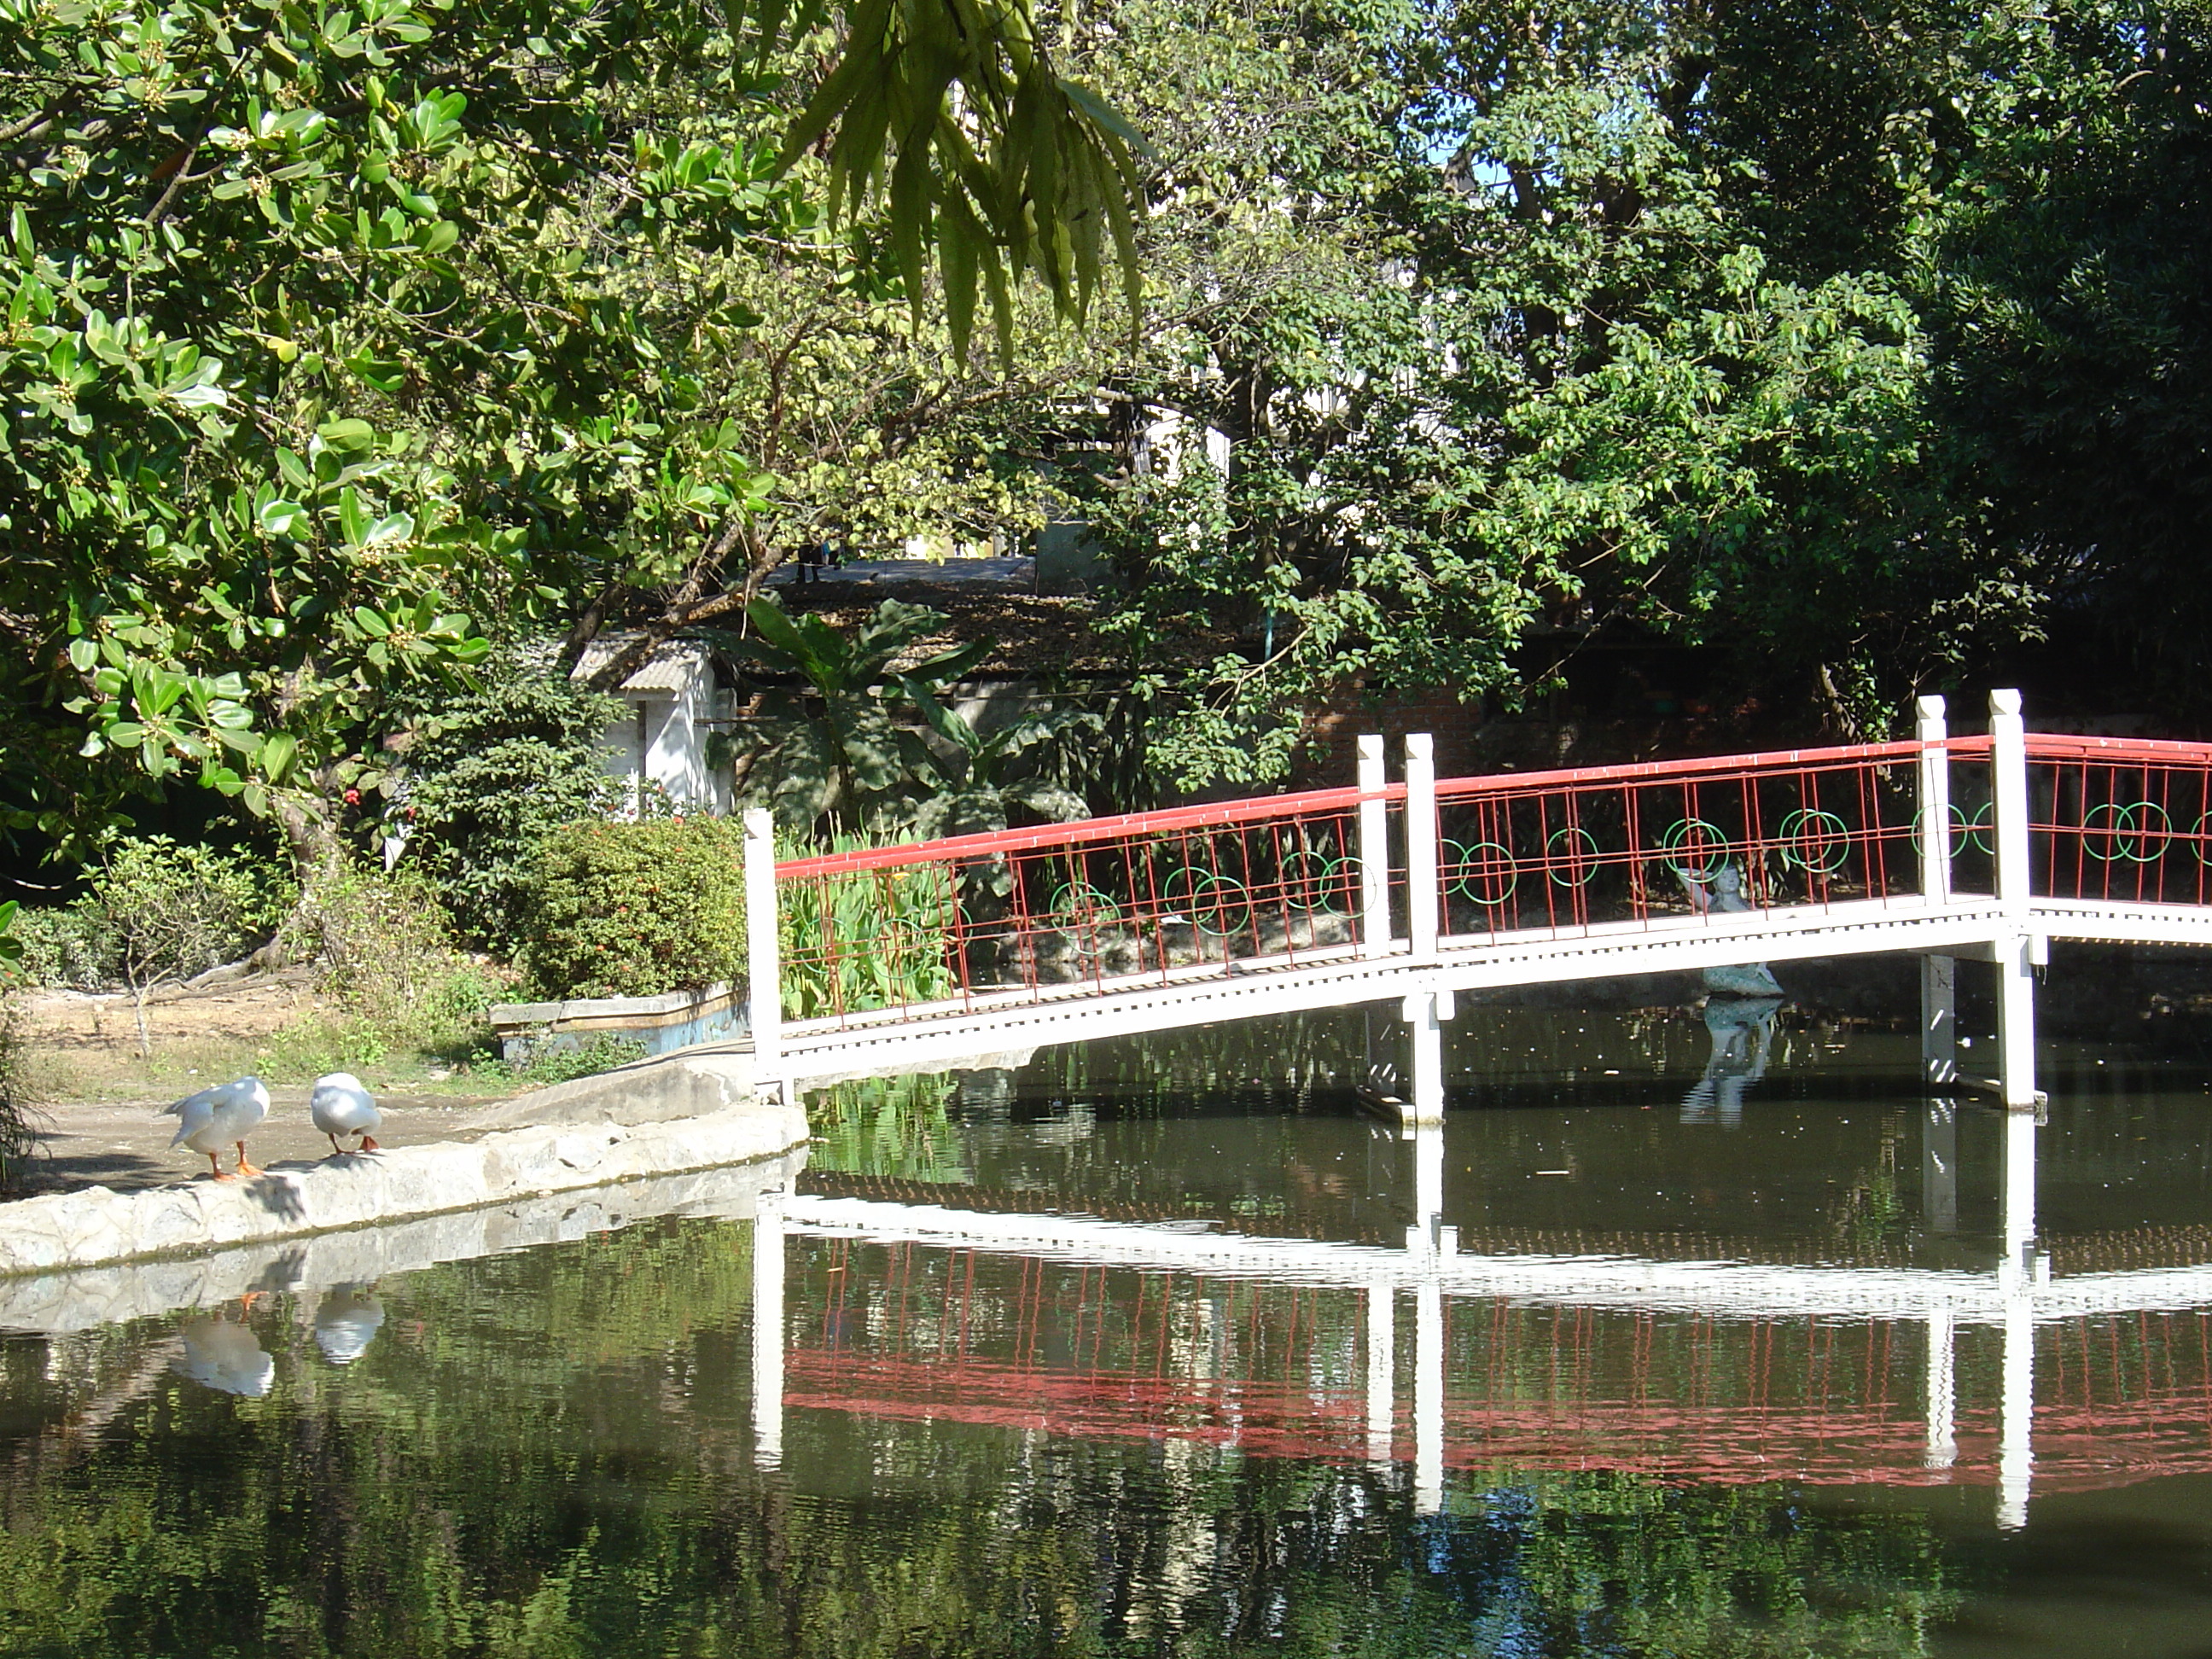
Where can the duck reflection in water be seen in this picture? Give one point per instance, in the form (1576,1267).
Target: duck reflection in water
(224,1355)
(347,1321)
(1743,1029)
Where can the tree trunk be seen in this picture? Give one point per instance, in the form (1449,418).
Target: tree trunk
(309,837)
(139,989)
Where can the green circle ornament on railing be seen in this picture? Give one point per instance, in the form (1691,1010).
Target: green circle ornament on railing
(1312,879)
(1215,904)
(1473,865)
(1965,832)
(1814,841)
(1979,832)
(1580,857)
(1693,834)
(2117,826)
(1079,901)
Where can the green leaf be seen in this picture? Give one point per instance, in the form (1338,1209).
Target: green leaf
(347,433)
(275,755)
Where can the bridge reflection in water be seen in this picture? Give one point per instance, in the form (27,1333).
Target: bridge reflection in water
(1438,1360)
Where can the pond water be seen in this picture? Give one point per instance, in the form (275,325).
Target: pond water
(1682,1337)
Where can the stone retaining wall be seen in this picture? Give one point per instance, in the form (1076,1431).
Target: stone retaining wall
(631,1138)
(52,1303)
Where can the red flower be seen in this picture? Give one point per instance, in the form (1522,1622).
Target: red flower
(353,797)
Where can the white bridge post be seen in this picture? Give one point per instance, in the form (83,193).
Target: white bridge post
(2016,949)
(763,964)
(1421,895)
(1931,728)
(1942,1447)
(1939,975)
(767,1331)
(1382,1383)
(1374,851)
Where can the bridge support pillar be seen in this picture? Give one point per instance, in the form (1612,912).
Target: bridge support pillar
(2016,1021)
(1939,1020)
(767,1332)
(2017,953)
(1426,1012)
(1381,1373)
(1939,1166)
(1428,1397)
(1427,1232)
(2023,1264)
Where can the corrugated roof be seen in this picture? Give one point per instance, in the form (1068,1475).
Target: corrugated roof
(673,664)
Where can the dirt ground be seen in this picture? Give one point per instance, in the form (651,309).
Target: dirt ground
(96,1098)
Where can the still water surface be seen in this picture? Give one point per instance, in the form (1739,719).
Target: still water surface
(1673,1342)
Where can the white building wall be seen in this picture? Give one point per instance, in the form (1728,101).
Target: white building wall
(662,740)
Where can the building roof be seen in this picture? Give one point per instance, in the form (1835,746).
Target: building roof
(673,664)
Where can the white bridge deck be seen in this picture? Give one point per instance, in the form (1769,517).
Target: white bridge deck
(2137,877)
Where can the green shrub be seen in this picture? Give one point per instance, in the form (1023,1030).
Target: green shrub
(16,1135)
(491,773)
(636,909)
(170,911)
(387,960)
(66,945)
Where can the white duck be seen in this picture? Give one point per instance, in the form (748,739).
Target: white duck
(218,1117)
(347,1318)
(340,1106)
(224,1355)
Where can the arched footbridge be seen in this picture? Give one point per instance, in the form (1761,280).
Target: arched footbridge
(1983,847)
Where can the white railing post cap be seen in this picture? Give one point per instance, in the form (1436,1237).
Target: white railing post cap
(1931,707)
(2004,703)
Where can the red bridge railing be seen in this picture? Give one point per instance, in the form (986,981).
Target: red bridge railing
(884,934)
(2126,820)
(1629,843)
(1027,913)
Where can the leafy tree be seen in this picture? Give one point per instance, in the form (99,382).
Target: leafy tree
(333,335)
(989,773)
(834,758)
(489,775)
(2068,276)
(1553,388)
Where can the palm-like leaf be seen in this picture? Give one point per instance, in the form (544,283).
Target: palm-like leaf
(951,112)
